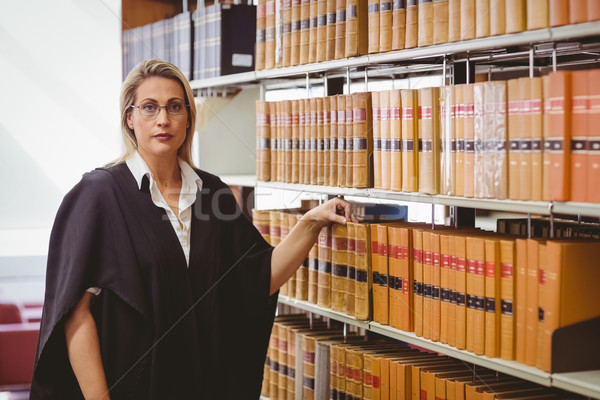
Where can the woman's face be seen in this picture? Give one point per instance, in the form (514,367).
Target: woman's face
(160,135)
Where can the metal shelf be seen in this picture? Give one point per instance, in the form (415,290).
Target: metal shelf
(325,312)
(239,180)
(588,29)
(586,383)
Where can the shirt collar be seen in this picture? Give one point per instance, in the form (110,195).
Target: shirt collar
(139,169)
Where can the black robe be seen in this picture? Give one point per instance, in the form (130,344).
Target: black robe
(166,331)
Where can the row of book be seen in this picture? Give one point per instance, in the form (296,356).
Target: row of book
(311,361)
(294,32)
(523,139)
(462,287)
(541,228)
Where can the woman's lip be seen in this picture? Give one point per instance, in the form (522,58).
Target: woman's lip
(163,136)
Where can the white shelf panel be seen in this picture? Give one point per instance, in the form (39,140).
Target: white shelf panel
(224,80)
(239,180)
(326,312)
(585,383)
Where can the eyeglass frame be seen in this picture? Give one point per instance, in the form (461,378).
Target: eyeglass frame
(187,109)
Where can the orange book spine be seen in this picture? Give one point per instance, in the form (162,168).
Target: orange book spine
(444,287)
(261,14)
(579,134)
(392,178)
(287,33)
(304,31)
(376,275)
(514,131)
(406,273)
(578,11)
(339,266)
(440,21)
(452,290)
(314,138)
(312,30)
(558,141)
(482,18)
(374,23)
(326,140)
(454,12)
(341,139)
(593,10)
(363,282)
(492,298)
(274,141)
(383,266)
(349,141)
(340,29)
(394,278)
(526,139)
(296,32)
(351,271)
(520,301)
(385,25)
(537,132)
(313,274)
(357,28)
(516,20)
(410,181)
(288,140)
(362,156)
(435,287)
(469,132)
(377,164)
(301,139)
(541,303)
(295,106)
(425,23)
(418,281)
(539,18)
(386,168)
(412,19)
(461,292)
(321,30)
(398,24)
(467,19)
(428,140)
(333,141)
(593,196)
(427,284)
(559,12)
(532,302)
(546,166)
(497,17)
(448,142)
(263,152)
(330,46)
(476,267)
(320,143)
(507,327)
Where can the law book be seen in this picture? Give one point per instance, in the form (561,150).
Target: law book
(349,153)
(313,273)
(410,159)
(376,273)
(524,173)
(418,291)
(469,140)
(593,177)
(295,121)
(447,158)
(458,110)
(296,30)
(357,28)
(593,8)
(481,123)
(302,271)
(539,18)
(326,161)
(330,47)
(570,278)
(559,12)
(507,323)
(482,18)
(270,34)
(499,140)
(436,266)
(279,5)
(362,149)
(381,292)
(520,300)
(314,140)
(412,20)
(546,166)
(333,141)
(287,34)
(429,140)
(393,146)
(340,29)
(373,26)
(427,277)
(440,21)
(263,153)
(452,293)
(475,290)
(467,19)
(312,30)
(516,20)
(385,25)
(324,268)
(341,170)
(281,137)
(398,24)
(273,140)
(307,141)
(320,144)
(580,132)
(533,261)
(445,322)
(461,291)
(497,17)
(259,61)
(454,11)
(364,282)
(304,31)
(537,131)
(492,297)
(395,277)
(578,11)
(274,356)
(425,23)
(404,253)
(557,140)
(339,266)
(288,221)
(377,165)
(288,139)
(301,139)
(351,271)
(321,51)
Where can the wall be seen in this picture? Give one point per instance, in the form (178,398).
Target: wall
(60,76)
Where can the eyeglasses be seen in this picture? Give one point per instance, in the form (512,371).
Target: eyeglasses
(152,109)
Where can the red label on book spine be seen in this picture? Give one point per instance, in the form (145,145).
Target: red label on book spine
(376,382)
(368,379)
(507,270)
(542,277)
(490,269)
(445,261)
(361,247)
(375,248)
(460,264)
(309,357)
(395,113)
(383,251)
(405,286)
(360,115)
(479,267)
(407,113)
(436,259)
(376,114)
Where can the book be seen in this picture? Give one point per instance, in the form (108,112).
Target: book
(482,119)
(339,266)
(440,21)
(580,132)
(578,11)
(301,139)
(373,26)
(351,271)
(312,163)
(326,160)
(410,160)
(394,277)
(385,25)
(341,139)
(263,153)
(571,295)
(444,287)
(516,20)
(398,24)
(260,35)
(467,19)
(381,292)
(475,290)
(364,283)
(295,109)
(296,29)
(539,18)
(482,18)
(533,252)
(435,286)
(324,268)
(452,292)
(362,156)
(313,273)
(557,140)
(497,17)
(312,30)
(331,27)
(333,141)
(429,140)
(520,300)
(492,297)
(593,10)
(546,166)
(412,18)
(304,51)
(536,123)
(469,140)
(279,15)
(320,145)
(321,31)
(507,323)
(377,164)
(427,277)
(288,140)
(340,29)
(349,153)
(558,12)
(357,28)
(514,132)
(454,29)
(593,196)
(425,23)
(286,52)
(458,110)
(302,272)
(392,179)
(270,34)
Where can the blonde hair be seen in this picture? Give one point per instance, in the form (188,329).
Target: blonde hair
(141,72)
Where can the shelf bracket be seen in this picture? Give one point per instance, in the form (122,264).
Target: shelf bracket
(444,66)
(432,216)
(307,85)
(468,69)
(554,58)
(366,79)
(348,79)
(531,60)
(529,226)
(551,210)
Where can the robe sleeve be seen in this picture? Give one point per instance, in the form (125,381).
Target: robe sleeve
(82,254)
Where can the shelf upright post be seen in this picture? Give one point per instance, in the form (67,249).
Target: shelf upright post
(310,320)
(325,85)
(551,209)
(444,66)
(528,225)
(262,91)
(348,79)
(307,85)
(366,80)
(432,216)
(531,60)
(468,70)
(554,58)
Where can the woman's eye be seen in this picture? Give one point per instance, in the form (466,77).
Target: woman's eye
(175,107)
(149,107)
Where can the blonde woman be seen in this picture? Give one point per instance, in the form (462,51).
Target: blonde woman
(157,286)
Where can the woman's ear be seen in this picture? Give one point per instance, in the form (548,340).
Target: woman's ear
(129,121)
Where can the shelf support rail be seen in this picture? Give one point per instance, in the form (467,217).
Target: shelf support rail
(531,60)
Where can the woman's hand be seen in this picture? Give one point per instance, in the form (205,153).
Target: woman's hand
(336,210)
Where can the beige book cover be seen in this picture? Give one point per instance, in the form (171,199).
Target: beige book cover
(340,29)
(320,144)
(333,141)
(373,25)
(454,11)
(394,144)
(448,159)
(263,152)
(398,24)
(412,21)
(312,30)
(497,17)
(429,140)
(261,10)
(362,149)
(331,13)
(270,34)
(326,140)
(324,274)
(339,266)
(525,134)
(351,271)
(349,141)
(363,279)
(357,28)
(296,32)
(425,23)
(410,159)
(516,20)
(469,132)
(321,30)
(385,25)
(467,19)
(459,131)
(377,165)
(304,31)
(540,18)
(440,21)
(537,132)
(286,52)
(482,18)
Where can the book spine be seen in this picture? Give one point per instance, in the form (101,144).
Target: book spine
(447,141)
(320,167)
(351,271)
(349,142)
(324,273)
(524,152)
(295,105)
(536,109)
(312,30)
(444,287)
(427,286)
(467,19)
(321,31)
(326,161)
(288,139)
(279,33)
(330,48)
(459,124)
(551,319)
(452,286)
(302,272)
(409,140)
(593,196)
(425,23)
(376,273)
(541,305)
(546,167)
(287,33)
(304,31)
(296,32)
(497,17)
(395,281)
(363,272)
(480,187)
(435,287)
(263,158)
(499,141)
(516,20)
(539,18)
(398,24)
(374,24)
(339,266)
(454,12)
(313,273)
(558,143)
(469,132)
(311,162)
(340,29)
(259,62)
(301,139)
(482,18)
(333,142)
(341,174)
(507,327)
(532,305)
(418,289)
(558,12)
(392,152)
(406,273)
(492,298)
(270,34)
(425,143)
(385,25)
(520,300)
(273,136)
(578,11)
(386,155)
(412,18)
(461,292)
(363,140)
(377,165)
(579,135)
(383,279)
(440,21)
(593,8)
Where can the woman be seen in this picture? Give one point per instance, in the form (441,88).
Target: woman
(157,286)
